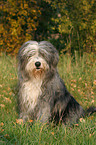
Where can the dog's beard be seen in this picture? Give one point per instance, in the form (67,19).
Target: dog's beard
(38,73)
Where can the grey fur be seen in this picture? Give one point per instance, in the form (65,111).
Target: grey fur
(51,100)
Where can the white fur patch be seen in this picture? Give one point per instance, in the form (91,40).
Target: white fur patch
(31,90)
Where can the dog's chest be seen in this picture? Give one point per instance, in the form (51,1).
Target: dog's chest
(30,93)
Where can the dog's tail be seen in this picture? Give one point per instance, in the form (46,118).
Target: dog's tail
(90,111)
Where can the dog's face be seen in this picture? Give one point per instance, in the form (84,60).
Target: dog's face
(36,59)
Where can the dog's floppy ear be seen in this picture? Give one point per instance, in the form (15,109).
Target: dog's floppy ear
(55,56)
(55,59)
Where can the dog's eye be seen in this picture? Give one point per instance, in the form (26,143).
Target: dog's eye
(46,56)
(29,52)
(28,57)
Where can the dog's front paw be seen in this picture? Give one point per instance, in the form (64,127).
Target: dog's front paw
(24,117)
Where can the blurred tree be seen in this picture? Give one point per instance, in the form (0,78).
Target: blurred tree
(19,21)
(69,25)
(77,24)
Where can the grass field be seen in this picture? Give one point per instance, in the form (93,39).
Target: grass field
(79,75)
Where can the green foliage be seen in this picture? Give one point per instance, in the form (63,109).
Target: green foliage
(69,25)
(80,78)
(19,20)
(77,24)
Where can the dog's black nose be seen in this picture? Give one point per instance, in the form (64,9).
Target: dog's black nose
(37,64)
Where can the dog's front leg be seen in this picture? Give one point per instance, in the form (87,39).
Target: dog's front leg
(44,114)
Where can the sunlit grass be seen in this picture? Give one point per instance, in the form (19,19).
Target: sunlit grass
(79,76)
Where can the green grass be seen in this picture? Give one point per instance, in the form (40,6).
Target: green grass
(79,76)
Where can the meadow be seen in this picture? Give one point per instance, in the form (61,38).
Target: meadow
(79,75)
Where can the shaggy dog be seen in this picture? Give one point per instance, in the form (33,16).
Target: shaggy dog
(42,93)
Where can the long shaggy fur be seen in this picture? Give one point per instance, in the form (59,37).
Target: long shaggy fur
(42,94)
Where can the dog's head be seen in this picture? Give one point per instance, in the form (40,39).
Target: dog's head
(37,59)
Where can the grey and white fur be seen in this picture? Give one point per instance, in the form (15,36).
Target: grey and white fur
(42,93)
